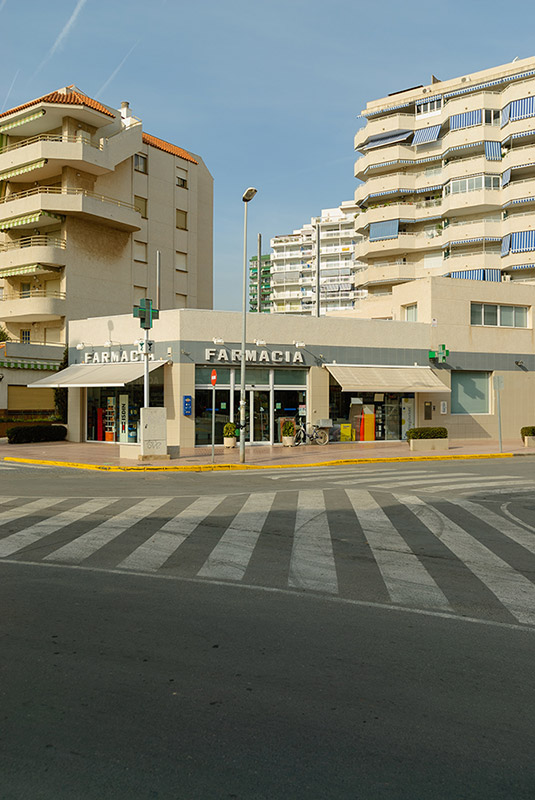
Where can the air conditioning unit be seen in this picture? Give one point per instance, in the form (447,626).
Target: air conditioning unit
(506,277)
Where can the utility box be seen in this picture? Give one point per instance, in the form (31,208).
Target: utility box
(153,434)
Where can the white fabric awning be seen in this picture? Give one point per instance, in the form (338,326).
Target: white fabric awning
(108,375)
(386,379)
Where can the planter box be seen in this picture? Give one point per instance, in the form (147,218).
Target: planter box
(229,441)
(529,441)
(425,445)
(288,441)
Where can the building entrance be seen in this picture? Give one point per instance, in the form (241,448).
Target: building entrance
(369,416)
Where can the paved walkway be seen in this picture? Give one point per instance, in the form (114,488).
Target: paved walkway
(99,454)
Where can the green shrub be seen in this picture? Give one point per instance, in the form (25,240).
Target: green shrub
(427,433)
(229,430)
(528,430)
(288,427)
(22,434)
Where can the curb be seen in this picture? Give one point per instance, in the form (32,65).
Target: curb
(244,467)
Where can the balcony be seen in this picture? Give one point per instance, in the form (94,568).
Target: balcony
(460,259)
(479,229)
(31,251)
(32,305)
(49,201)
(389,274)
(415,211)
(390,124)
(403,243)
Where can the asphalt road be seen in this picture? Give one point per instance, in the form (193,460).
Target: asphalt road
(357,632)
(133,687)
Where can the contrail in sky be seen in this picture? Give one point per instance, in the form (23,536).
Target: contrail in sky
(2,4)
(115,71)
(63,33)
(12,84)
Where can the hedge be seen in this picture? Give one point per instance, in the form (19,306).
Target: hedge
(22,434)
(528,430)
(427,433)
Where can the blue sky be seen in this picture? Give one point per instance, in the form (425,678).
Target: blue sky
(268,93)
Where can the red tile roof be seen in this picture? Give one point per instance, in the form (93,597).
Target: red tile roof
(168,148)
(70,96)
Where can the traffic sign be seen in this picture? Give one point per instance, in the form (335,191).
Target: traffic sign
(213,377)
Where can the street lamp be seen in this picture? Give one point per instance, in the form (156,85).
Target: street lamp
(247,197)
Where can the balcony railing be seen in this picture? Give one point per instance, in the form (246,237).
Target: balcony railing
(61,190)
(33,241)
(46,137)
(24,294)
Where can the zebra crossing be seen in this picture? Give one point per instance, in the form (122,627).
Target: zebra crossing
(388,479)
(455,556)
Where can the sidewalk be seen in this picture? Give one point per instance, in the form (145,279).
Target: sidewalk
(99,455)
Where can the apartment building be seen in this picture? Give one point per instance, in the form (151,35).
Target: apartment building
(321,252)
(260,284)
(448,180)
(87,197)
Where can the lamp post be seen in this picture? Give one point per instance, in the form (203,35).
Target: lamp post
(247,197)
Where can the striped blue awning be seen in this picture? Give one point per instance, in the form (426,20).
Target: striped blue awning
(472,241)
(387,138)
(506,245)
(477,275)
(506,177)
(426,135)
(522,241)
(428,189)
(520,266)
(522,109)
(521,200)
(462,147)
(465,120)
(506,111)
(384,230)
(522,134)
(488,84)
(390,191)
(386,108)
(493,151)
(436,157)
(423,100)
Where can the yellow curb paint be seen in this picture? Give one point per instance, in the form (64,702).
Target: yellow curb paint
(229,467)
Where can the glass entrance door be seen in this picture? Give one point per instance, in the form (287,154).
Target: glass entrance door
(260,402)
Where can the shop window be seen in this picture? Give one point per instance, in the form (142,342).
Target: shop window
(141,163)
(203,375)
(181,220)
(203,414)
(469,392)
(290,377)
(411,313)
(141,205)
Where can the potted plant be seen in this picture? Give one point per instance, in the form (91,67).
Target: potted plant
(528,435)
(428,438)
(229,435)
(288,433)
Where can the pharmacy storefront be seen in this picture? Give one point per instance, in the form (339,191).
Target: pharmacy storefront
(337,373)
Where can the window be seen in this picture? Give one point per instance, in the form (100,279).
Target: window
(181,178)
(472,184)
(492,116)
(140,251)
(141,204)
(469,392)
(140,293)
(411,313)
(141,163)
(181,220)
(498,315)
(430,106)
(181,261)
(25,289)
(25,335)
(180,300)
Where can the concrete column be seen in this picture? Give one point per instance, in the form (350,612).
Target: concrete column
(75,415)
(179,381)
(318,394)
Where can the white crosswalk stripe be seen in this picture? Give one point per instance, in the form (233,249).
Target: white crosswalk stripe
(153,554)
(406,579)
(79,549)
(312,563)
(230,557)
(315,541)
(514,590)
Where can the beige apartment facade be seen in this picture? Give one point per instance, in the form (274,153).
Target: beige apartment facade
(448,180)
(362,379)
(87,197)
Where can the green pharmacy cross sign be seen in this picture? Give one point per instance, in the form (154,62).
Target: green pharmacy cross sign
(146,313)
(441,354)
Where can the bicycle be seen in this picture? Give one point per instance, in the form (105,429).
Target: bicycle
(318,435)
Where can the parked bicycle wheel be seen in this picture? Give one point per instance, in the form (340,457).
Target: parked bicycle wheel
(322,437)
(299,437)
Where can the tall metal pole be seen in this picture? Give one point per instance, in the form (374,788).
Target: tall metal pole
(158,277)
(318,309)
(146,377)
(243,340)
(259,270)
(213,423)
